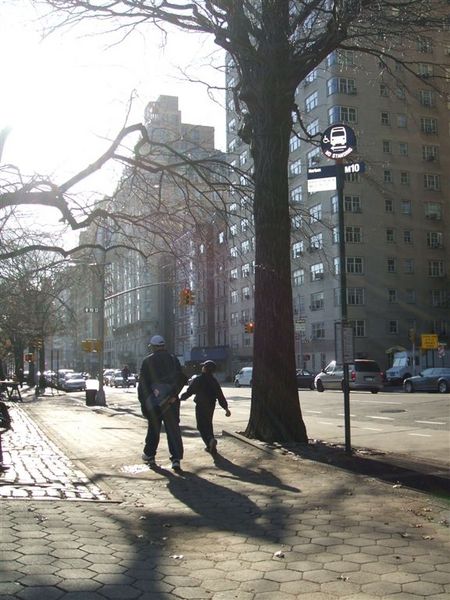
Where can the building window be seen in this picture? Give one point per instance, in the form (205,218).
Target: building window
(313,128)
(316,242)
(312,76)
(244,225)
(385,118)
(334,200)
(295,168)
(407,236)
(342,114)
(405,207)
(318,331)
(432,182)
(245,293)
(391,265)
(234,298)
(335,235)
(390,235)
(233,274)
(439,298)
(393,327)
(429,125)
(233,252)
(387,176)
(410,296)
(404,177)
(316,271)
(341,85)
(246,270)
(336,265)
(353,235)
(234,318)
(313,157)
(359,328)
(430,153)
(408,266)
(243,158)
(387,147)
(424,45)
(245,247)
(233,230)
(311,101)
(402,121)
(352,204)
(355,296)
(298,277)
(296,194)
(403,148)
(296,222)
(384,90)
(392,296)
(315,213)
(298,249)
(427,98)
(434,239)
(294,143)
(433,210)
(388,205)
(355,265)
(317,301)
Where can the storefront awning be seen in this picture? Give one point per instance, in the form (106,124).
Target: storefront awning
(209,353)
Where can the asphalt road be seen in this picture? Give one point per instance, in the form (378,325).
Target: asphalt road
(390,421)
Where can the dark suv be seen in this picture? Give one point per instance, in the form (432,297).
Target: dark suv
(363,374)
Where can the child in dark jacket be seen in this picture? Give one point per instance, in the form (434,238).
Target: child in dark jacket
(207,390)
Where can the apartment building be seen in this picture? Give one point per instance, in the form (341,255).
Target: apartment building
(397,213)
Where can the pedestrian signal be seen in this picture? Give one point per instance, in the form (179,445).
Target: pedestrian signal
(29,357)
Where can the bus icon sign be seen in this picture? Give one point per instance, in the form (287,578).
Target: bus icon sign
(338,141)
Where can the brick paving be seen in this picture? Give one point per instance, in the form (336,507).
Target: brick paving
(250,525)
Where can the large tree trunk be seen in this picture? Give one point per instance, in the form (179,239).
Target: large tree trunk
(275,410)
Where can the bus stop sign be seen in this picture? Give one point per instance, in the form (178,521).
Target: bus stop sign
(338,141)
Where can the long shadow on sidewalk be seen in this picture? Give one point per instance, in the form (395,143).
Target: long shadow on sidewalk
(398,471)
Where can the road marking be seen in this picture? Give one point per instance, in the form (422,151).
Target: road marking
(378,402)
(317,412)
(325,423)
(431,422)
(383,418)
(420,434)
(343,415)
(371,429)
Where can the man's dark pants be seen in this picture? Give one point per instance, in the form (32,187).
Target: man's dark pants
(204,412)
(170,416)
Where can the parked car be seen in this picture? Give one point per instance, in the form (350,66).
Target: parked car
(107,374)
(435,379)
(305,379)
(116,380)
(363,374)
(243,377)
(74,382)
(61,376)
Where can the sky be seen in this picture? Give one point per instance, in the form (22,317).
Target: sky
(67,95)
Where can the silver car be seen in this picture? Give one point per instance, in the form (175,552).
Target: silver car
(363,374)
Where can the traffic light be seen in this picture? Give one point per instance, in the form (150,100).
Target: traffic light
(249,327)
(187,297)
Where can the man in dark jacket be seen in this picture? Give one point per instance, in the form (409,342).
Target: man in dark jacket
(207,390)
(160,381)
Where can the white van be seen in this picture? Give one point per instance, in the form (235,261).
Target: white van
(243,377)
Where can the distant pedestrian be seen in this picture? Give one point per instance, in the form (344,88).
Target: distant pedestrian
(160,381)
(5,425)
(20,376)
(125,375)
(207,390)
